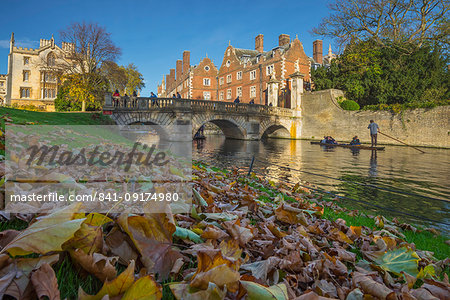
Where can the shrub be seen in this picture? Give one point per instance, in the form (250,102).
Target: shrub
(349,105)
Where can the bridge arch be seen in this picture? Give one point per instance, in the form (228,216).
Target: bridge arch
(232,128)
(271,128)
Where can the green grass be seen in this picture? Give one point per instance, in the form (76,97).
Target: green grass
(423,240)
(69,280)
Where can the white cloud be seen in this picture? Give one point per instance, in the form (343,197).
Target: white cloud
(26,43)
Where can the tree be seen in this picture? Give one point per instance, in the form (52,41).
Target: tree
(135,80)
(371,74)
(385,21)
(88,46)
(124,79)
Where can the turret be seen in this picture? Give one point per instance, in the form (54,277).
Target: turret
(11,42)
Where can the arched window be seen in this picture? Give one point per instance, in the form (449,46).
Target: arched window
(51,59)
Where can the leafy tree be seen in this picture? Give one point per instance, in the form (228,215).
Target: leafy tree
(371,74)
(135,80)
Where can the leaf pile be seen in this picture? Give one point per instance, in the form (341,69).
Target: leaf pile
(238,242)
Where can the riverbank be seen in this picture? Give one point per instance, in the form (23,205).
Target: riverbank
(245,236)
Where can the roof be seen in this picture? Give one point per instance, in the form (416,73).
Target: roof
(252,54)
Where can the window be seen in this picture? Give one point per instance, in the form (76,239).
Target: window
(221,96)
(1,83)
(239,75)
(206,81)
(206,68)
(207,95)
(253,91)
(49,93)
(228,52)
(228,78)
(26,75)
(25,92)
(221,80)
(258,58)
(253,75)
(228,63)
(229,94)
(239,91)
(51,59)
(26,60)
(269,70)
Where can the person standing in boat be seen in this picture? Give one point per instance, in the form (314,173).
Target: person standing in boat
(373,127)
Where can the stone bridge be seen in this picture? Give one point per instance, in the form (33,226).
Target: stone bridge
(237,121)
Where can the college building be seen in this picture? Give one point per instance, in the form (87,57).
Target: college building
(245,73)
(30,80)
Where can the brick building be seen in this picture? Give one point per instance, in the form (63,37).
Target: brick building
(244,72)
(192,82)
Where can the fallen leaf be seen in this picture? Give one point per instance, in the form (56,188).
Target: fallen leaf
(256,291)
(144,288)
(96,264)
(112,288)
(45,283)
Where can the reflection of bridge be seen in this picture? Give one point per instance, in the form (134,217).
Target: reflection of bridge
(237,121)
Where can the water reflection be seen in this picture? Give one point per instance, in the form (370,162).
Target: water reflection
(396,168)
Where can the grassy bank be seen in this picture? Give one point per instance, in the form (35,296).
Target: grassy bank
(238,218)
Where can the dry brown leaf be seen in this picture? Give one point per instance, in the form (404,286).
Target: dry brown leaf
(214,233)
(45,283)
(96,264)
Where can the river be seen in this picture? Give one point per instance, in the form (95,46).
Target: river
(399,179)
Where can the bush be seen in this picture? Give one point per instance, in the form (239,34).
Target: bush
(349,105)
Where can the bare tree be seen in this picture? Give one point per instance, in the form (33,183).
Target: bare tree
(85,48)
(411,21)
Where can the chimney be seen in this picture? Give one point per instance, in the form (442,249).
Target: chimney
(283,39)
(259,43)
(167,81)
(172,77)
(186,61)
(318,51)
(179,67)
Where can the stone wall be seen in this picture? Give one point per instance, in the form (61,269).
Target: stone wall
(322,115)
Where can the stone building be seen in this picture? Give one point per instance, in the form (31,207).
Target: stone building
(2,88)
(192,82)
(30,80)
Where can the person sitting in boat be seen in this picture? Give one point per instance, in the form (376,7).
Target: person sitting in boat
(331,141)
(355,141)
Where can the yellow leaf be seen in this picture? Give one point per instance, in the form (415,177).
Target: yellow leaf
(96,219)
(112,288)
(144,288)
(46,235)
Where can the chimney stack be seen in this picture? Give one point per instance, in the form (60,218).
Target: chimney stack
(283,39)
(318,51)
(186,61)
(179,67)
(167,82)
(259,43)
(172,78)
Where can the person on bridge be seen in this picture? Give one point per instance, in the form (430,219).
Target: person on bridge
(252,101)
(134,103)
(154,99)
(174,96)
(355,141)
(178,95)
(373,127)
(237,100)
(116,97)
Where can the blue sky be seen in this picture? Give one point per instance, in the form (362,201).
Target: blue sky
(153,34)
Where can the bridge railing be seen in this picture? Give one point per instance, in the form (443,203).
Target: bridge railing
(164,104)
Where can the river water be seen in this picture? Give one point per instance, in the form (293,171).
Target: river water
(399,179)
